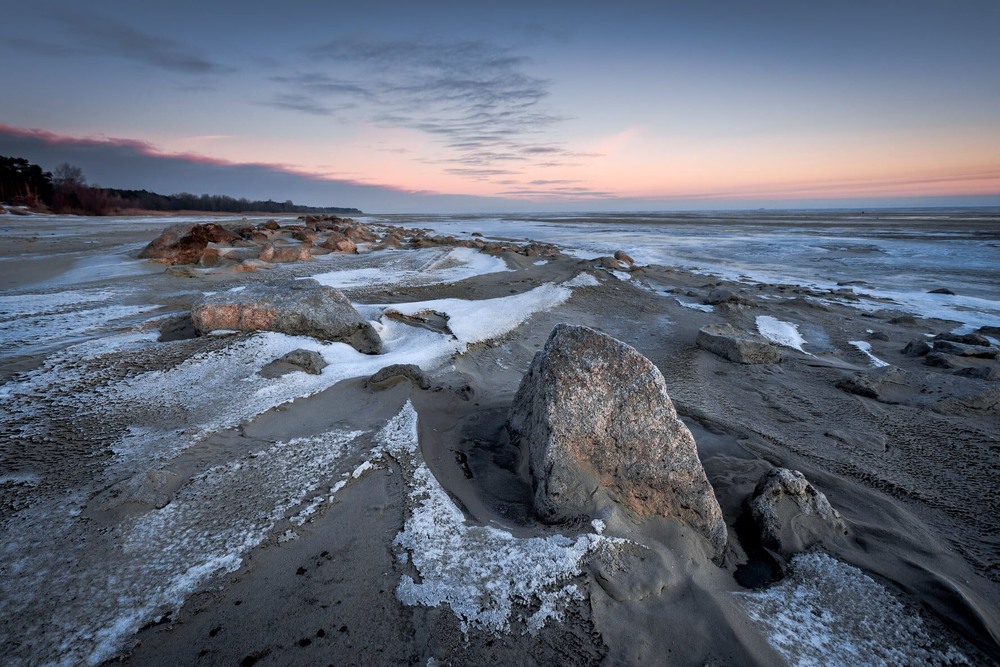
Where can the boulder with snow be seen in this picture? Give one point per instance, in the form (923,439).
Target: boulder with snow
(791,514)
(736,345)
(594,419)
(295,307)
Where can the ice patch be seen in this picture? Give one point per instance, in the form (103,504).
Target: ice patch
(583,280)
(481,572)
(448,266)
(621,275)
(866,348)
(780,332)
(830,613)
(475,321)
(703,307)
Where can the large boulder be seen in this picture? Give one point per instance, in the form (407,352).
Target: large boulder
(791,514)
(296,307)
(597,424)
(742,347)
(184,243)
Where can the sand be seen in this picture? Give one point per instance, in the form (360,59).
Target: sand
(163,503)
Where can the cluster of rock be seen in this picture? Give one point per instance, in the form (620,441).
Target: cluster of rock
(963,353)
(246,247)
(597,427)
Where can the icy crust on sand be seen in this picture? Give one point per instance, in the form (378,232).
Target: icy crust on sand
(197,393)
(98,600)
(866,348)
(484,574)
(30,323)
(780,332)
(830,613)
(441,267)
(703,307)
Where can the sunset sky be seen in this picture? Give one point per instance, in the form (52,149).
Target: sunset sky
(431,106)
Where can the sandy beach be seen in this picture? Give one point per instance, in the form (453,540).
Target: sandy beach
(169,498)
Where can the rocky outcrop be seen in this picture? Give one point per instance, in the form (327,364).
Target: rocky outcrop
(741,347)
(296,307)
(791,514)
(595,421)
(185,243)
(917,348)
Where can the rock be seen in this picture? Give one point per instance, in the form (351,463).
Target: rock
(180,327)
(965,339)
(791,514)
(942,360)
(611,264)
(879,335)
(989,331)
(622,256)
(742,347)
(721,295)
(284,254)
(980,373)
(963,350)
(339,243)
(595,421)
(917,348)
(310,361)
(304,235)
(390,375)
(903,319)
(271,224)
(859,385)
(941,290)
(295,307)
(184,243)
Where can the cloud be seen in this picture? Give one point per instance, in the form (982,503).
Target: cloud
(88,33)
(474,97)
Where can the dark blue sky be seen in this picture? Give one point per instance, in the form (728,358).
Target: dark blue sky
(390,106)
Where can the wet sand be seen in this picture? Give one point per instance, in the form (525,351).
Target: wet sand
(912,470)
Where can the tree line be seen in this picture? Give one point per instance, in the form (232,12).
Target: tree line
(65,190)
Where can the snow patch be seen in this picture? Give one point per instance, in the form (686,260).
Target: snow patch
(866,349)
(780,332)
(583,280)
(703,307)
(830,613)
(481,572)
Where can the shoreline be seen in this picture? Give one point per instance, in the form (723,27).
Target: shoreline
(903,466)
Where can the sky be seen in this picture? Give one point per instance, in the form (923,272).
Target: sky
(514,106)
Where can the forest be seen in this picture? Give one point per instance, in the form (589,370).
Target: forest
(65,190)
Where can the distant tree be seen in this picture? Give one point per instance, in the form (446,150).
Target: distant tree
(68,175)
(24,183)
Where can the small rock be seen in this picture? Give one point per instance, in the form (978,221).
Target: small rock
(859,385)
(622,256)
(917,348)
(965,339)
(941,290)
(720,295)
(180,327)
(791,514)
(878,335)
(394,373)
(964,350)
(941,360)
(310,361)
(741,347)
(980,373)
